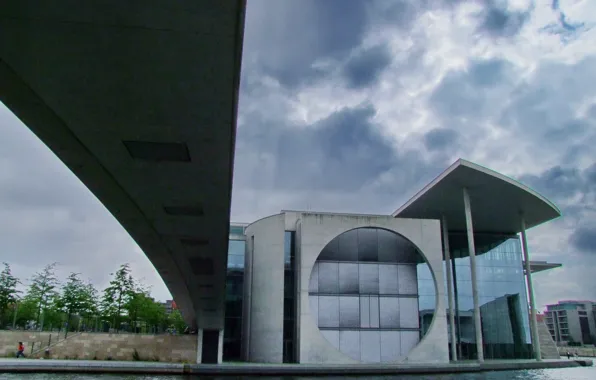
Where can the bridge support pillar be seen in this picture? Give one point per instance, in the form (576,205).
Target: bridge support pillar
(210,346)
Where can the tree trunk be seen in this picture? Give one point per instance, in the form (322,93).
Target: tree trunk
(67,324)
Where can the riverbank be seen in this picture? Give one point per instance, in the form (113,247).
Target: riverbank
(581,351)
(101,346)
(248,369)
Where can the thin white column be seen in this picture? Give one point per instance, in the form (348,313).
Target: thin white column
(472,251)
(449,288)
(533,323)
(220,343)
(199,345)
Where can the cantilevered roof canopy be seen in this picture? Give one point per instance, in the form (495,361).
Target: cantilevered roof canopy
(497,201)
(539,266)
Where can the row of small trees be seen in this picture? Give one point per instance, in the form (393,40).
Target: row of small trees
(126,304)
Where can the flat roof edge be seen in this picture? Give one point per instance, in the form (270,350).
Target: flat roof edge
(484,170)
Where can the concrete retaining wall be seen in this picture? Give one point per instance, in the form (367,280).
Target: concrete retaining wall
(165,348)
(586,351)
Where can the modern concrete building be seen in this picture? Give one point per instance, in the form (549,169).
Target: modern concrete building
(572,322)
(139,100)
(444,277)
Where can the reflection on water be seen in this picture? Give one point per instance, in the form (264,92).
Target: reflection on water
(580,373)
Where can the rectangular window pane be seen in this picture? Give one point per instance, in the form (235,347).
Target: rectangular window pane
(313,286)
(332,337)
(349,312)
(370,346)
(388,279)
(369,278)
(328,278)
(349,343)
(368,245)
(328,311)
(408,312)
(348,278)
(390,346)
(388,246)
(389,312)
(314,307)
(348,246)
(374,312)
(235,261)
(364,312)
(331,251)
(287,247)
(236,247)
(406,276)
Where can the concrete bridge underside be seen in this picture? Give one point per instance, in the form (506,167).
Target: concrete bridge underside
(139,99)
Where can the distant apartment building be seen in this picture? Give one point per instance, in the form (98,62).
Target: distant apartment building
(572,321)
(169,306)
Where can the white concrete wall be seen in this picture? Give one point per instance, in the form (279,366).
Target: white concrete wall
(316,230)
(265,274)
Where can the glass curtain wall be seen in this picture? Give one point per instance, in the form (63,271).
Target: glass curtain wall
(502,296)
(289,328)
(234,292)
(363,294)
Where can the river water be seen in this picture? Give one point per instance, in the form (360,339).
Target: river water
(578,373)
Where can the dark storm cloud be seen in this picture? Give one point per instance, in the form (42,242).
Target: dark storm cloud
(284,39)
(497,21)
(555,5)
(364,69)
(341,152)
(440,139)
(567,185)
(563,18)
(584,239)
(557,182)
(545,107)
(464,92)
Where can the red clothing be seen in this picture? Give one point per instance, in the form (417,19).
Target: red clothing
(21,348)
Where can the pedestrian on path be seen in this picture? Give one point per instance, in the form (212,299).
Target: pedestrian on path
(20,350)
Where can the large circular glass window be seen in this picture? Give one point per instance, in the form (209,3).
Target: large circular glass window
(363,294)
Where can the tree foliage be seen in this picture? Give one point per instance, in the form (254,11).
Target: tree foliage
(8,293)
(126,304)
(76,298)
(176,321)
(43,290)
(117,295)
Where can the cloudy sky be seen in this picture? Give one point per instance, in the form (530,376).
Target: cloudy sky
(353,106)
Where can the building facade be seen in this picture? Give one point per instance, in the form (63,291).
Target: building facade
(234,293)
(169,306)
(572,322)
(446,277)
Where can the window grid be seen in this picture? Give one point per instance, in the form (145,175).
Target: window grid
(364,294)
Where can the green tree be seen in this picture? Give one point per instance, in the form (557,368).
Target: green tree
(89,308)
(43,290)
(117,295)
(53,315)
(144,312)
(135,304)
(27,311)
(8,294)
(153,315)
(176,321)
(73,299)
